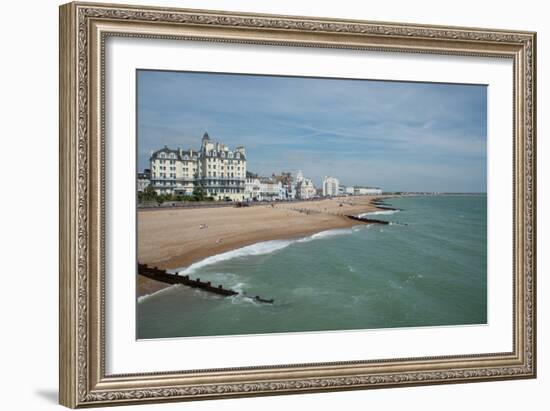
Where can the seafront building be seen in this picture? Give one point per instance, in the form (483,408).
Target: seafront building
(252,187)
(362,191)
(220,172)
(264,188)
(143,180)
(305,189)
(288,186)
(173,171)
(270,189)
(331,186)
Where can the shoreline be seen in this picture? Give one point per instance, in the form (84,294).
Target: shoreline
(176,238)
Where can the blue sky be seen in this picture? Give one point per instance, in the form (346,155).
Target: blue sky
(394,135)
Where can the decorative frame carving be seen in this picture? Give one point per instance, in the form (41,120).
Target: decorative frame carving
(83,30)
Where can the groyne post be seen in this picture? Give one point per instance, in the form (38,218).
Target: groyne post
(157,274)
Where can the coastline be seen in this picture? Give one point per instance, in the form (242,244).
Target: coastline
(174,238)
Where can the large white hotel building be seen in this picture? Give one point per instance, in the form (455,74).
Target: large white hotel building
(220,171)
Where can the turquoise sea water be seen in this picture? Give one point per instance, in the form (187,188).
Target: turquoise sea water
(428,268)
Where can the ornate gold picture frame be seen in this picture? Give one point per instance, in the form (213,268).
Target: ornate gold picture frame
(84,29)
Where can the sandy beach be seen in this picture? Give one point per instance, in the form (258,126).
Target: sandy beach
(176,238)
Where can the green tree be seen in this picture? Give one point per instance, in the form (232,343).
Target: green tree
(149,194)
(198,192)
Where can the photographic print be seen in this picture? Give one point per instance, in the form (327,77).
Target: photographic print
(277,204)
(303,204)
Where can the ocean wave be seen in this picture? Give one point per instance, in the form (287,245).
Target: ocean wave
(261,248)
(162,290)
(242,297)
(239,287)
(380,212)
(325,234)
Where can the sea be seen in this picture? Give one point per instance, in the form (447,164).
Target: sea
(428,267)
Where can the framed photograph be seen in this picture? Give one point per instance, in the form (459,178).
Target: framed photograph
(260,204)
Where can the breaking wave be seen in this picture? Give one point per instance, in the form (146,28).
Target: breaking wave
(384,212)
(262,248)
(144,297)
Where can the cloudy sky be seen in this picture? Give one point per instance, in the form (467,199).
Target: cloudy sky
(395,135)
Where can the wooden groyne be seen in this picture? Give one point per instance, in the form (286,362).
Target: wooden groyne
(381,204)
(373,220)
(367,220)
(163,276)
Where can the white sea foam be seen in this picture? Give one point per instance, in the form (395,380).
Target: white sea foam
(242,297)
(384,212)
(162,290)
(413,277)
(325,234)
(262,248)
(239,287)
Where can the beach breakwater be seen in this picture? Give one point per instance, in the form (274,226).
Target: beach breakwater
(157,274)
(367,220)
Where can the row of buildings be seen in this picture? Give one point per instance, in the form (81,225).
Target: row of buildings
(279,187)
(332,187)
(223,175)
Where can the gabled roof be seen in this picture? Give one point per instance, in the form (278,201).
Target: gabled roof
(191,153)
(166,150)
(223,154)
(236,155)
